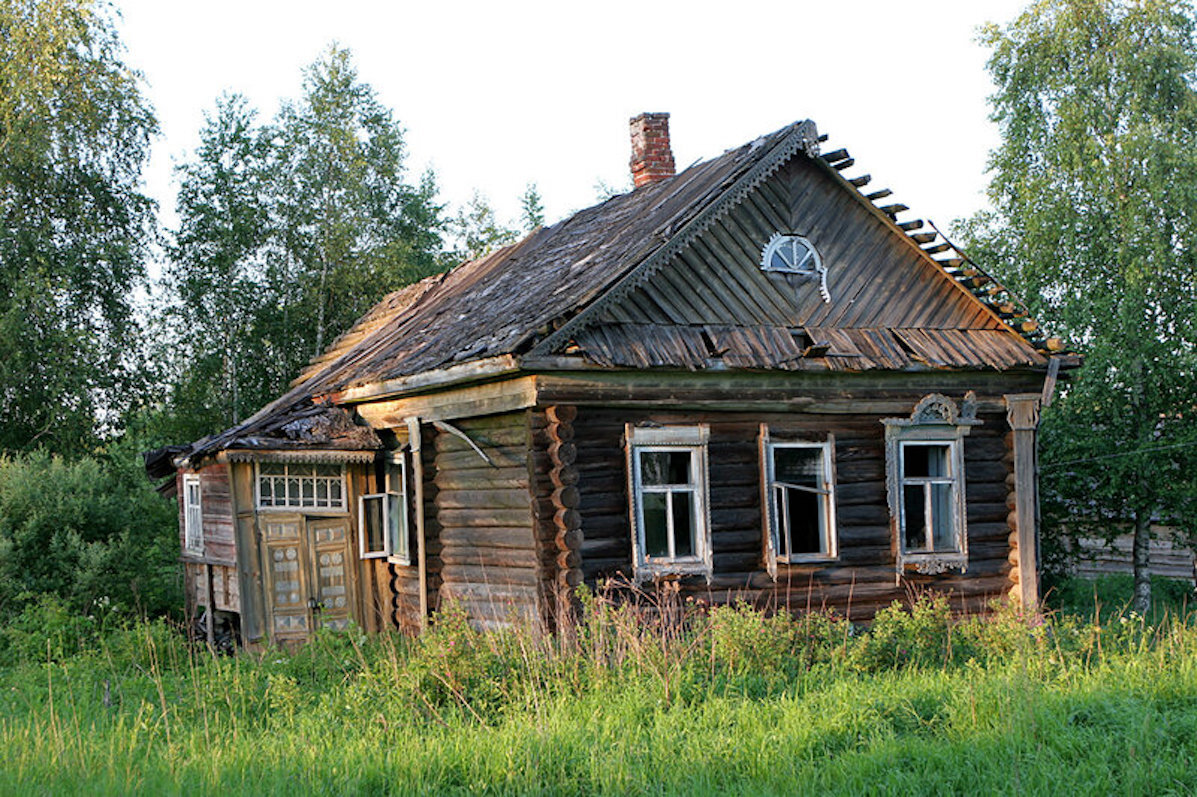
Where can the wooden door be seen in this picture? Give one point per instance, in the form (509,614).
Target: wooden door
(308,575)
(283,553)
(332,592)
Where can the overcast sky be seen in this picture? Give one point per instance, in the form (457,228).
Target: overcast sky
(498,95)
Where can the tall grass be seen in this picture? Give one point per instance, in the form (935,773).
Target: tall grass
(664,697)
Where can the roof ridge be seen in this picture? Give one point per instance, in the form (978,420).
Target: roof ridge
(799,135)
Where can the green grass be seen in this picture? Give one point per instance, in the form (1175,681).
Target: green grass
(726,702)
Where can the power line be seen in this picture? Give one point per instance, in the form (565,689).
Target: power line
(1051,465)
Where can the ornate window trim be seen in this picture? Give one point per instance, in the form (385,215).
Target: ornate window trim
(936,419)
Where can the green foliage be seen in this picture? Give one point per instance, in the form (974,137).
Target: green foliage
(1094,184)
(531,208)
(288,233)
(90,532)
(1067,705)
(478,230)
(74,228)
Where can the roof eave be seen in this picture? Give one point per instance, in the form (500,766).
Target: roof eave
(425,381)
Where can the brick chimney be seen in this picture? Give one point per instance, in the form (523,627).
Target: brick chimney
(652,159)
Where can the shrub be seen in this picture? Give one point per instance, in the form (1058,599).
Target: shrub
(85,531)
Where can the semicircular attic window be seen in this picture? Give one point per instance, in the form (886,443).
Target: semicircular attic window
(793,254)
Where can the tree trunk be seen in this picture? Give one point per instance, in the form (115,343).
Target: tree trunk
(1141,559)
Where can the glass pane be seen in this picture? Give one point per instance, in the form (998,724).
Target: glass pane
(271,468)
(656,540)
(266,492)
(396,528)
(328,470)
(293,498)
(374,526)
(683,523)
(395,478)
(798,466)
(914,512)
(780,260)
(322,492)
(802,515)
(664,467)
(309,492)
(924,461)
(802,258)
(942,518)
(335,491)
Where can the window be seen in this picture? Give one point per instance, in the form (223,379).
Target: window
(193,514)
(925,482)
(668,473)
(382,517)
(795,255)
(300,486)
(928,498)
(791,253)
(799,500)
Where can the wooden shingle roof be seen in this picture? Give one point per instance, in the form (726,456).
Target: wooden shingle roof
(560,291)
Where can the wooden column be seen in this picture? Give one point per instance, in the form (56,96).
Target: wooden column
(1022,413)
(417,474)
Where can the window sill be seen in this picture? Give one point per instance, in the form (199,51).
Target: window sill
(650,571)
(810,559)
(402,561)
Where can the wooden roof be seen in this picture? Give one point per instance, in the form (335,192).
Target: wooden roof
(667,276)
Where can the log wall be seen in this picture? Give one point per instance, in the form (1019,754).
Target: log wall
(863,579)
(489,552)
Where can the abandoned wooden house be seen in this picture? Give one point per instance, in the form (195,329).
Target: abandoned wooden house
(750,379)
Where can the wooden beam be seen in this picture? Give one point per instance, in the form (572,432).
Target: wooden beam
(862,181)
(882,194)
(485,399)
(415,442)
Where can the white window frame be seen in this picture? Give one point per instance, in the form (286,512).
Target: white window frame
(936,420)
(775,493)
(394,504)
(692,440)
(193,514)
(340,506)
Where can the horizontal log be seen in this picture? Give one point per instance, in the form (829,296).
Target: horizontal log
(489,558)
(482,499)
(491,536)
(514,479)
(458,575)
(469,518)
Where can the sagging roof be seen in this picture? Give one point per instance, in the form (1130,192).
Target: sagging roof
(541,295)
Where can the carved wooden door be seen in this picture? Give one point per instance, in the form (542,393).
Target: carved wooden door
(331,594)
(283,549)
(308,575)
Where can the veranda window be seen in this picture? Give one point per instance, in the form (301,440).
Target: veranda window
(300,486)
(193,514)
(382,517)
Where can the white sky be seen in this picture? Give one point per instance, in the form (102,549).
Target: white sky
(495,95)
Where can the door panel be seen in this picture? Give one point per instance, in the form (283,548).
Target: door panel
(286,577)
(332,587)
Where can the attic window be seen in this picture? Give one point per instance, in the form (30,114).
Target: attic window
(793,254)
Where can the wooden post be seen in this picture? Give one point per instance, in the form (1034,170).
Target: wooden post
(211,630)
(1022,413)
(417,474)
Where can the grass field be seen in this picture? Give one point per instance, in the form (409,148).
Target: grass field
(728,701)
